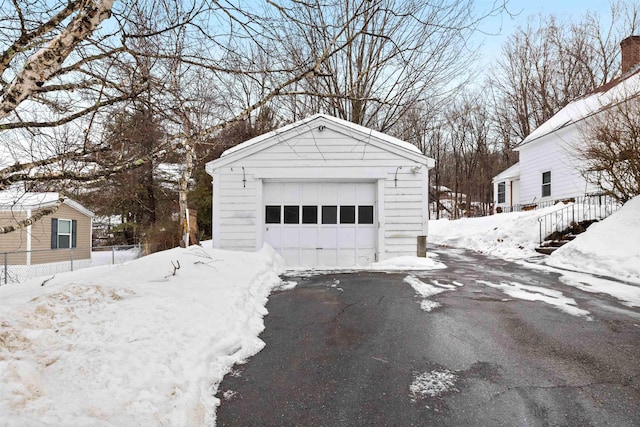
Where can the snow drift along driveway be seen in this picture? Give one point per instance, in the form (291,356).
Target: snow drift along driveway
(132,344)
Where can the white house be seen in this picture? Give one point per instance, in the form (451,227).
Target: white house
(322,192)
(549,166)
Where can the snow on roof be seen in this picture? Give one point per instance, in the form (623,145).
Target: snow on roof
(511,172)
(352,126)
(22,201)
(607,95)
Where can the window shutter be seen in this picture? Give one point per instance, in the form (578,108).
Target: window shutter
(74,233)
(54,233)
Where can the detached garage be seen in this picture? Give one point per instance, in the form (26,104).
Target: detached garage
(322,192)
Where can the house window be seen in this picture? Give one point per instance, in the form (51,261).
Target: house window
(501,192)
(546,184)
(63,233)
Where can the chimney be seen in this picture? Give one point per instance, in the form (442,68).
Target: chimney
(630,53)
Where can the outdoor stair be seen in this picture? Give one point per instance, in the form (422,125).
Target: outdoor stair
(549,246)
(562,225)
(558,239)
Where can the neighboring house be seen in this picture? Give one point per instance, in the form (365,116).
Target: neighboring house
(322,192)
(549,166)
(51,239)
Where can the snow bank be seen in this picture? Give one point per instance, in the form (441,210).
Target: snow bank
(610,247)
(408,263)
(133,344)
(507,235)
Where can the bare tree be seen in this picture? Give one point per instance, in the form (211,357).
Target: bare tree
(396,55)
(550,62)
(611,149)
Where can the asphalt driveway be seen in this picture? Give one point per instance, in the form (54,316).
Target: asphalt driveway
(462,346)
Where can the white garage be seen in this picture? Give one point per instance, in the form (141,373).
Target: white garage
(322,192)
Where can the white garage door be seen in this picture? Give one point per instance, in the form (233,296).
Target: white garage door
(321,223)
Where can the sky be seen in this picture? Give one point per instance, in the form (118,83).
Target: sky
(522,10)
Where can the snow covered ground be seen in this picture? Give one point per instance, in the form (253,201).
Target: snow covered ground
(609,248)
(133,344)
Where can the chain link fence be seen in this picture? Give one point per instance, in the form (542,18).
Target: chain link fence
(19,266)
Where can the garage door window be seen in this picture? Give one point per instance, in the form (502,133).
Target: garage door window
(272,215)
(347,214)
(329,214)
(365,214)
(292,214)
(309,214)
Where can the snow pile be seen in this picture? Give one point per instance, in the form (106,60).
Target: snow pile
(432,384)
(402,263)
(536,293)
(628,295)
(610,247)
(145,343)
(508,235)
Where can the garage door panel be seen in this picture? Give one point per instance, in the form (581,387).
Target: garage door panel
(365,257)
(328,237)
(272,237)
(327,257)
(290,237)
(309,256)
(328,194)
(272,194)
(347,237)
(366,194)
(291,256)
(292,193)
(366,237)
(310,194)
(347,194)
(346,258)
(309,237)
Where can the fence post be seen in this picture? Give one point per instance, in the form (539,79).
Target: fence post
(71,256)
(6,262)
(573,213)
(540,228)
(113,255)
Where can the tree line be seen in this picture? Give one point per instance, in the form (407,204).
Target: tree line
(119,104)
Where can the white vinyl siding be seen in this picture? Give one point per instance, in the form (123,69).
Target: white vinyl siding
(552,153)
(322,156)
